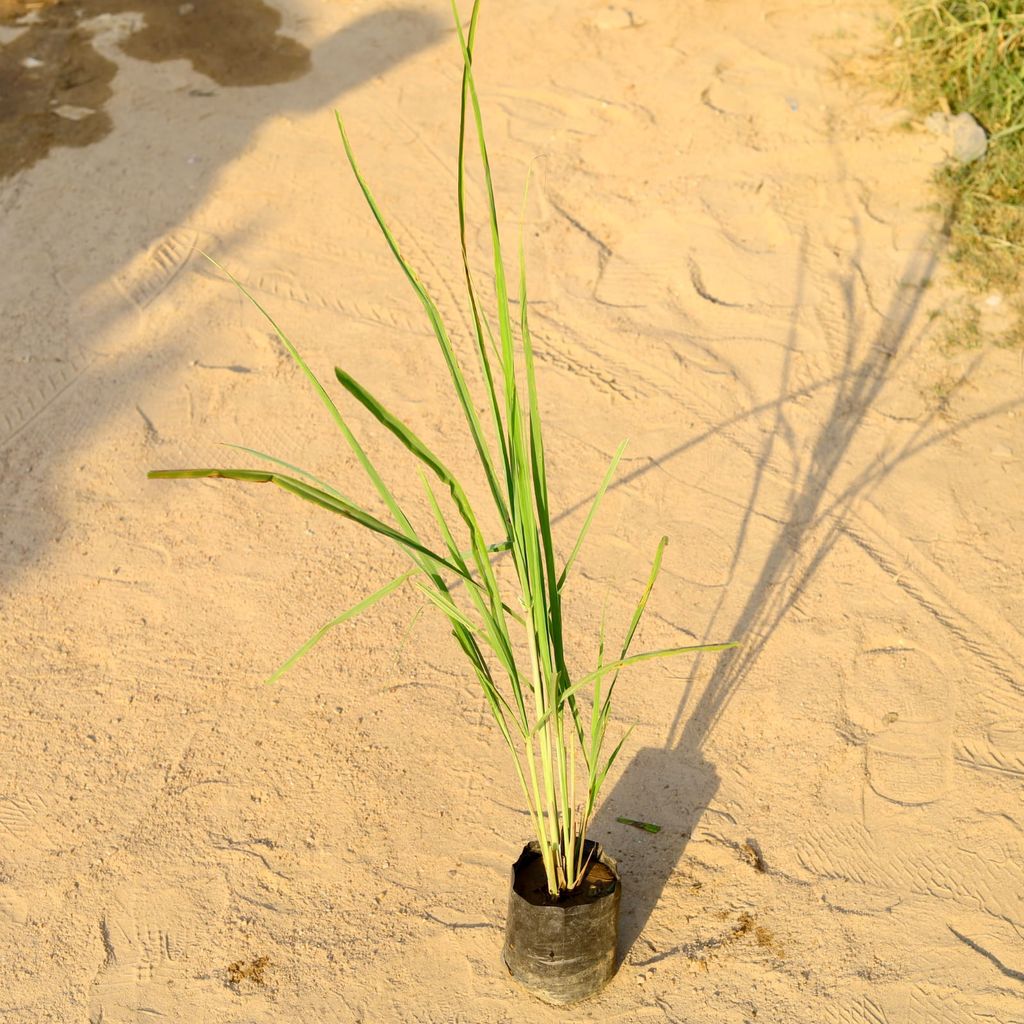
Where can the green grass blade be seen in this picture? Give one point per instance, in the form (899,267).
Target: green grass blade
(611,760)
(297,470)
(479,323)
(498,705)
(255,476)
(351,613)
(422,452)
(437,324)
(538,469)
(368,467)
(500,283)
(447,606)
(499,641)
(594,505)
(638,613)
(404,434)
(443,527)
(664,652)
(541,502)
(642,603)
(325,398)
(634,659)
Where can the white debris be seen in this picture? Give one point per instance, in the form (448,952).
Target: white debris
(72,113)
(32,62)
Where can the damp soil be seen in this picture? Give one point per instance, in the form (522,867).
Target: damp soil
(254,971)
(54,84)
(531,883)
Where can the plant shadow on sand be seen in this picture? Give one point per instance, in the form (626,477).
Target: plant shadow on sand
(675,785)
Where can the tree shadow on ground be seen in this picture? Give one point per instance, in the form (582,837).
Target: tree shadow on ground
(62,382)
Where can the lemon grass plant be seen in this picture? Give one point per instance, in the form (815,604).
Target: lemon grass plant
(512,635)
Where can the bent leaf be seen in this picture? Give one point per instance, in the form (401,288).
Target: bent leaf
(318,497)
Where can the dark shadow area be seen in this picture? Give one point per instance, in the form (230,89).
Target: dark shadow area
(673,786)
(662,785)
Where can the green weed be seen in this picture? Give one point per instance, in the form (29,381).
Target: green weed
(968,56)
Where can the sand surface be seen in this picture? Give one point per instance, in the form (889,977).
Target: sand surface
(734,265)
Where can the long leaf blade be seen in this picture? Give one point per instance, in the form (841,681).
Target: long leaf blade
(368,467)
(316,496)
(350,613)
(297,470)
(437,325)
(594,505)
(635,659)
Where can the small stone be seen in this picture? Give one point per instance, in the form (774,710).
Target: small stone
(1000,451)
(32,63)
(969,139)
(964,139)
(184,9)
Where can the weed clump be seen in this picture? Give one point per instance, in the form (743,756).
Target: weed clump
(967,56)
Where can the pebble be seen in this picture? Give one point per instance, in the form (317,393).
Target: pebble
(965,139)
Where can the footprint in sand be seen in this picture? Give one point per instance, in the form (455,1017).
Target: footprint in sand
(143,959)
(902,702)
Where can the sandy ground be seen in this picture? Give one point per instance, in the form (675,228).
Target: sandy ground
(734,265)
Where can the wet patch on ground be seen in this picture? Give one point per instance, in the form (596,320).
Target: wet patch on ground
(54,84)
